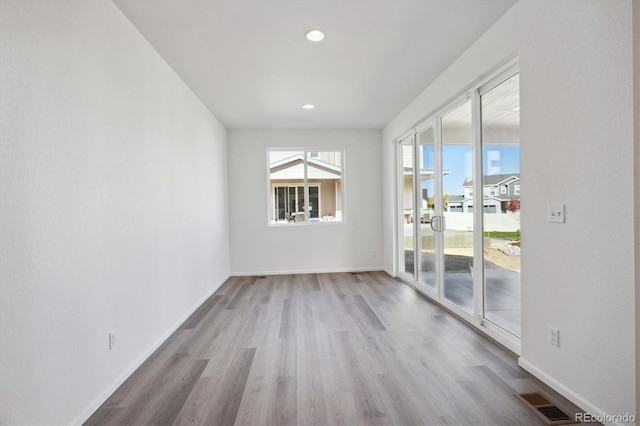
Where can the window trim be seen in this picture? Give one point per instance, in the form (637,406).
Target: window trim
(306,154)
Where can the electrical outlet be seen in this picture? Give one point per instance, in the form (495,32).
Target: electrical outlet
(554,336)
(112,340)
(555,213)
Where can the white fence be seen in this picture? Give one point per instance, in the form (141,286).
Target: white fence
(508,222)
(492,221)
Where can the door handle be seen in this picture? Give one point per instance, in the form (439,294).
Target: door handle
(435,220)
(437,223)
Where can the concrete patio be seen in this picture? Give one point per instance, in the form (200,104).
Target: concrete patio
(502,295)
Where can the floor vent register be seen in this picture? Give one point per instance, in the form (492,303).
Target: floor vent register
(545,408)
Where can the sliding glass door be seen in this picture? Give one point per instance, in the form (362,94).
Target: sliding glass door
(437,179)
(407,233)
(457,178)
(501,198)
(426,195)
(460,205)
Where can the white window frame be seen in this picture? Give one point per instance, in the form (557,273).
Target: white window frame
(307,153)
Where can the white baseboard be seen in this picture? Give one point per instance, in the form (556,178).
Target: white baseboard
(97,402)
(306,271)
(390,273)
(586,405)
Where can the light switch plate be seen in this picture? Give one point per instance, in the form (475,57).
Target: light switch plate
(555,213)
(554,336)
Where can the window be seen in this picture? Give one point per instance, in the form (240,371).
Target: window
(503,189)
(305,186)
(516,189)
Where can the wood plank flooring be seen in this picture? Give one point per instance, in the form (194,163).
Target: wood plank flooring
(322,349)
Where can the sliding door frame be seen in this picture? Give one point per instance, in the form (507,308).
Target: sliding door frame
(475,318)
(400,204)
(482,89)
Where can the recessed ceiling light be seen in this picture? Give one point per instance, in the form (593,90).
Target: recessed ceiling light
(314,35)
(308,106)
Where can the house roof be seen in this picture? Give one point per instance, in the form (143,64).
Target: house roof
(292,168)
(425,174)
(492,180)
(463,199)
(456,199)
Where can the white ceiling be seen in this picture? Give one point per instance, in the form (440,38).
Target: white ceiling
(250,64)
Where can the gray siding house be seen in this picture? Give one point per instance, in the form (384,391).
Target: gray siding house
(497,191)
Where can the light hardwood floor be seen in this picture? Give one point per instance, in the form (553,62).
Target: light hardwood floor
(323,349)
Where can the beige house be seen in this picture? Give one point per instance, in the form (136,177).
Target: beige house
(324,178)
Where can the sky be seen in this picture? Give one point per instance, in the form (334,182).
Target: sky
(457,159)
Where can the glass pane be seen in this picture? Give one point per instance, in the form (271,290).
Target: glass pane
(407,203)
(286,177)
(281,203)
(457,173)
(324,176)
(314,202)
(300,200)
(501,199)
(426,158)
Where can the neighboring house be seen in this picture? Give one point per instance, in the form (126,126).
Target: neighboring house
(498,190)
(324,177)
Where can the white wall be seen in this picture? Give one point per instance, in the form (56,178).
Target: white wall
(112,213)
(257,248)
(577,129)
